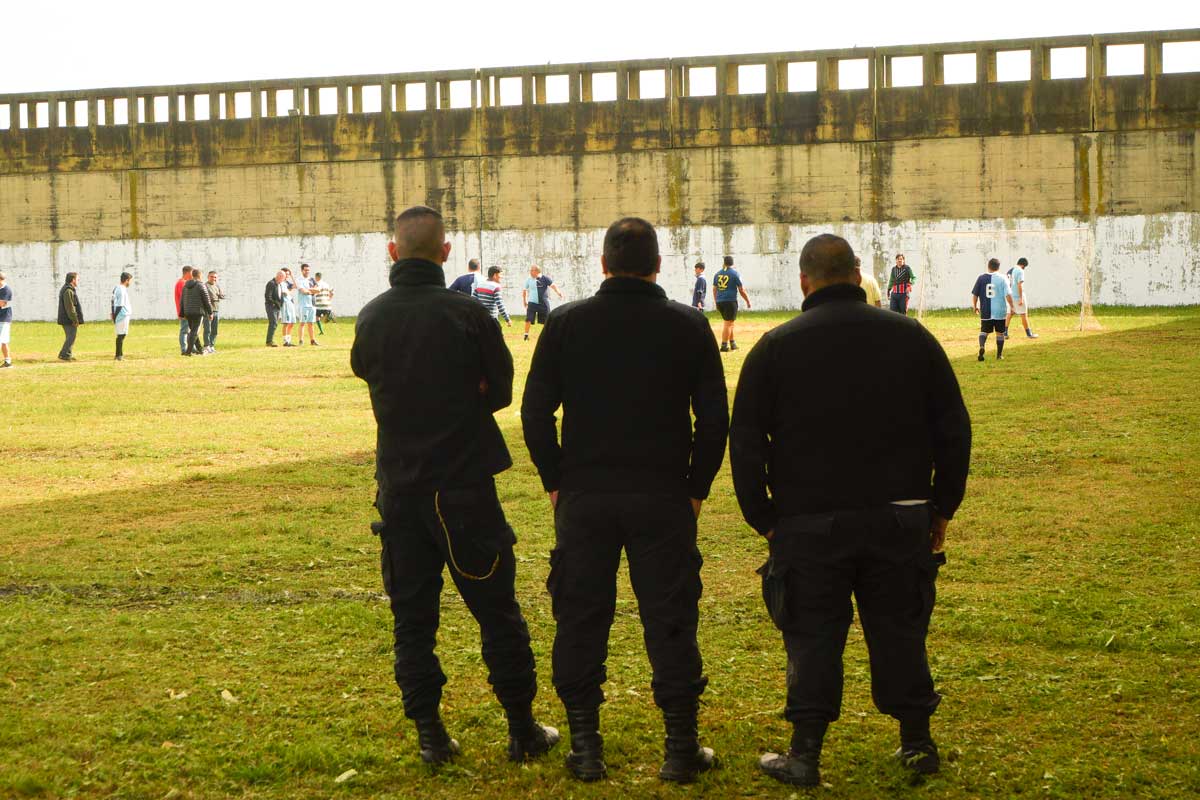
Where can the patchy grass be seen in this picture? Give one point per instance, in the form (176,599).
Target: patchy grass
(173,529)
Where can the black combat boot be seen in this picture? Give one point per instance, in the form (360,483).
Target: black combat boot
(528,738)
(801,765)
(917,751)
(586,759)
(685,757)
(436,745)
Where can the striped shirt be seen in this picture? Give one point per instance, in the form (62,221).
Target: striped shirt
(488,293)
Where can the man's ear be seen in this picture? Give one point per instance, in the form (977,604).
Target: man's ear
(657,264)
(858,276)
(604,265)
(445,251)
(804,284)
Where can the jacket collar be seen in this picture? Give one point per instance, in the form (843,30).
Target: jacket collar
(417,272)
(623,285)
(838,292)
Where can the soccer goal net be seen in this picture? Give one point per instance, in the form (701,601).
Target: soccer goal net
(1059,272)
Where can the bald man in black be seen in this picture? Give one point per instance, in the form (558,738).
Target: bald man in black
(844,510)
(438,369)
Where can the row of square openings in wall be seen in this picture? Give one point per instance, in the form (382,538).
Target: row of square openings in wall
(647,84)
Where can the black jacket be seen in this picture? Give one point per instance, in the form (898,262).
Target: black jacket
(273,294)
(69,310)
(424,352)
(847,406)
(195,300)
(628,366)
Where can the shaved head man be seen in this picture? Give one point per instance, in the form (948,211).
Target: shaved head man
(847,512)
(437,369)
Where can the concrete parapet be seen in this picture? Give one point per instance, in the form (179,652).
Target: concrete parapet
(574,109)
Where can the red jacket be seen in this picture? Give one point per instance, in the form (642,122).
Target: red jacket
(178,296)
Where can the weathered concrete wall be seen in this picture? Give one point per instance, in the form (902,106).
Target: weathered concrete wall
(1093,174)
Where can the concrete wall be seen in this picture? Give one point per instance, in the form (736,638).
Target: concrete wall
(1092,175)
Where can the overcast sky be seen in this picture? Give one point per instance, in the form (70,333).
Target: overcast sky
(76,45)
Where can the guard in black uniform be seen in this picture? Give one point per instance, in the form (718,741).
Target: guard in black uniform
(845,511)
(628,367)
(438,368)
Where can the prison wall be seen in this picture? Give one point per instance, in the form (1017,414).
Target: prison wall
(1092,178)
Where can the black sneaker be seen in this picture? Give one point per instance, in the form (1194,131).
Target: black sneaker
(981,354)
(999,356)
(6,365)
(732,344)
(724,347)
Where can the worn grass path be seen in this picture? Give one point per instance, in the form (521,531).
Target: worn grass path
(175,528)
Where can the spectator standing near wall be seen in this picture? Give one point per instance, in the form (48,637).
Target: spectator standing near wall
(273,299)
(70,315)
(700,289)
(900,285)
(215,294)
(288,314)
(121,313)
(6,315)
(323,302)
(195,305)
(183,328)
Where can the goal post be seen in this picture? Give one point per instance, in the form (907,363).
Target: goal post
(1060,266)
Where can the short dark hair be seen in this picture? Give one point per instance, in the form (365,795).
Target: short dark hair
(419,232)
(125,276)
(493,272)
(304,266)
(71,276)
(828,259)
(631,247)
(473,265)
(1022,262)
(195,273)
(727,261)
(316,274)
(187,270)
(212,272)
(700,265)
(993,264)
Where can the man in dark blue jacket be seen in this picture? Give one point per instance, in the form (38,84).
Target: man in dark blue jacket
(844,511)
(438,369)
(628,367)
(700,289)
(70,315)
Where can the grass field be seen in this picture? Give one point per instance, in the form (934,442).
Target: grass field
(174,530)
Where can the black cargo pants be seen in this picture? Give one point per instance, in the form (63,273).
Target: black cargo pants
(465,528)
(882,556)
(658,534)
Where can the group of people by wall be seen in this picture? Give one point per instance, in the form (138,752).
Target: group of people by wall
(302,301)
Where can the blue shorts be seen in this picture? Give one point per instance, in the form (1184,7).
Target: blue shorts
(308,314)
(536,312)
(287,314)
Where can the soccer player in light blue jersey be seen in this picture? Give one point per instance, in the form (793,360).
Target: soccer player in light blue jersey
(992,301)
(1016,280)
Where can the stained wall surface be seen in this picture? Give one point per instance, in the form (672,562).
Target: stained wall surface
(1092,178)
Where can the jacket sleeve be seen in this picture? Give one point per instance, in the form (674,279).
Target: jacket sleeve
(749,440)
(710,406)
(205,300)
(543,396)
(496,362)
(72,306)
(950,427)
